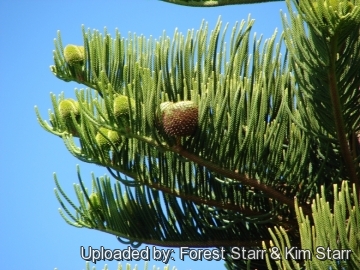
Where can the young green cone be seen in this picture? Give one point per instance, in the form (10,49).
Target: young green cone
(75,58)
(122,109)
(74,55)
(114,137)
(66,107)
(101,138)
(104,135)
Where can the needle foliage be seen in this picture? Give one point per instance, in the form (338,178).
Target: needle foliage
(277,125)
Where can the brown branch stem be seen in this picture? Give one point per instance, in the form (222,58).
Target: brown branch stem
(272,193)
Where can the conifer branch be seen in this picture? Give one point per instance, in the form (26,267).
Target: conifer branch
(272,193)
(257,132)
(338,116)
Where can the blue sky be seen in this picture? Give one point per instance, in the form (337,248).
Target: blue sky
(33,235)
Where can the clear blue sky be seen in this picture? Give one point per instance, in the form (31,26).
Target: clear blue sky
(32,233)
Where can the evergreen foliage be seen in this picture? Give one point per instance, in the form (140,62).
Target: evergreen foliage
(342,232)
(269,128)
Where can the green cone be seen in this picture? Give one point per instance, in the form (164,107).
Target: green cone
(66,107)
(121,106)
(74,55)
(111,135)
(101,140)
(122,110)
(114,137)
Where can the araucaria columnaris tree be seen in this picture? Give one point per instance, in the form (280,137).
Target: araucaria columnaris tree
(219,146)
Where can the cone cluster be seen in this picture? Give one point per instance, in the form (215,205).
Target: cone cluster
(180,118)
